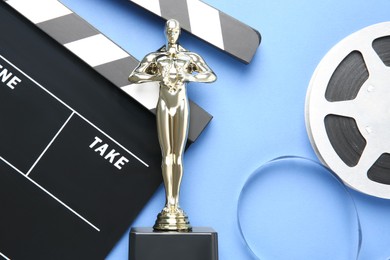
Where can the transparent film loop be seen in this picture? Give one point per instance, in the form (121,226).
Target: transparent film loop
(295,208)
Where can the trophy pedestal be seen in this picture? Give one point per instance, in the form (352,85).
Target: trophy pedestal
(175,220)
(199,244)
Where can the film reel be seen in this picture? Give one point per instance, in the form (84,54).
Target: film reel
(348,110)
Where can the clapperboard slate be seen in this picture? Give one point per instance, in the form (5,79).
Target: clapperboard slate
(78,157)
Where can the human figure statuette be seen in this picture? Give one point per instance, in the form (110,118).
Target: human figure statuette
(172,66)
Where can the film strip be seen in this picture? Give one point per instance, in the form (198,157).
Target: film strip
(99,52)
(348,110)
(209,24)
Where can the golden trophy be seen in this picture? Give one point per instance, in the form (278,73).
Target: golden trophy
(172,66)
(172,236)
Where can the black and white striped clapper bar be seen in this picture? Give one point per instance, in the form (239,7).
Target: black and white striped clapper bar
(209,24)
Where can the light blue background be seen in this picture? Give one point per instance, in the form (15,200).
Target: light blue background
(258,108)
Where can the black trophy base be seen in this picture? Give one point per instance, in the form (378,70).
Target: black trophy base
(199,244)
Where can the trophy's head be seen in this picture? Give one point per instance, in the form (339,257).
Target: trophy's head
(172,31)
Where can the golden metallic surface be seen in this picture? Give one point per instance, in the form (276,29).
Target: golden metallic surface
(172,66)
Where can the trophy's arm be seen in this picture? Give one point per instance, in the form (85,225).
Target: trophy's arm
(146,71)
(204,77)
(203,73)
(143,77)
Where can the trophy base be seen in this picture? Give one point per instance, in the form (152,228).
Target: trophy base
(172,221)
(199,244)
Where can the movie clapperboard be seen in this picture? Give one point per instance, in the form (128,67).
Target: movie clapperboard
(79,157)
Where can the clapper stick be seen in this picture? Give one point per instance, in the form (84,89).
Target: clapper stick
(209,24)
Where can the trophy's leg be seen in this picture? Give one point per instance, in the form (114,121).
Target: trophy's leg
(172,134)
